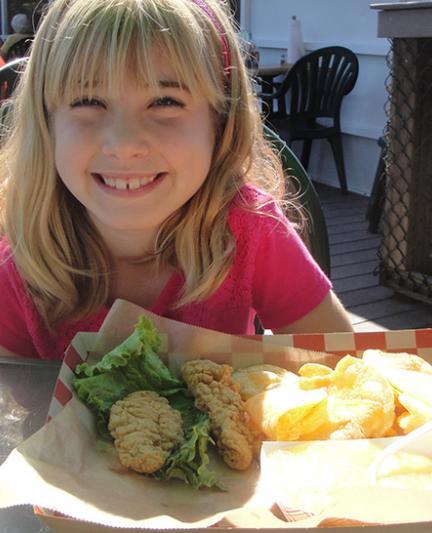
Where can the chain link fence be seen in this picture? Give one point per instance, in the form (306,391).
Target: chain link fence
(406,225)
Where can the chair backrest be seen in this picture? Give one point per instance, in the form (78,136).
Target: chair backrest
(19,49)
(315,235)
(319,80)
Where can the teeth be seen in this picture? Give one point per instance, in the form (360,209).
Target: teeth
(120,184)
(145,181)
(132,184)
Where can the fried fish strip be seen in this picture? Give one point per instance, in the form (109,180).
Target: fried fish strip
(145,429)
(215,392)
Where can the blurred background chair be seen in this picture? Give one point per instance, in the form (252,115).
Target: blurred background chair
(8,78)
(316,85)
(9,75)
(17,44)
(314,233)
(19,49)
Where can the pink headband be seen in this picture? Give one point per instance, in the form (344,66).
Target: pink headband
(225,49)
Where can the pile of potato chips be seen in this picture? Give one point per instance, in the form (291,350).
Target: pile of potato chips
(379,395)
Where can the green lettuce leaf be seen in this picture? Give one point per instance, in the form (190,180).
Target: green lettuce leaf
(131,366)
(135,365)
(190,461)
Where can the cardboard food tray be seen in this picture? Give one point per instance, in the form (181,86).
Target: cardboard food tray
(69,438)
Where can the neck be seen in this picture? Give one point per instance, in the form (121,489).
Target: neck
(129,246)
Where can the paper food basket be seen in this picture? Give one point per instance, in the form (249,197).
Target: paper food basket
(76,487)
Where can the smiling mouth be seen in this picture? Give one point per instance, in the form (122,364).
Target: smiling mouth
(123,184)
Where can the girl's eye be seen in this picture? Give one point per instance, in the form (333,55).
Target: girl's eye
(167,101)
(88,102)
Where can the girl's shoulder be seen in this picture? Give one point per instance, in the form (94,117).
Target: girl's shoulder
(7,263)
(251,196)
(252,207)
(10,279)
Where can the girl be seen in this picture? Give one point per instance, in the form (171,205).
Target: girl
(136,168)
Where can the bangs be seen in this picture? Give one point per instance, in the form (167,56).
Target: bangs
(103,46)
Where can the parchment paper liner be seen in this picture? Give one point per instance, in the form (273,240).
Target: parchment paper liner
(60,467)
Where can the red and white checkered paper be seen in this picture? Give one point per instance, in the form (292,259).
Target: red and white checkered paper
(182,341)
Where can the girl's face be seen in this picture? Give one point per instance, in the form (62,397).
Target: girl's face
(134,159)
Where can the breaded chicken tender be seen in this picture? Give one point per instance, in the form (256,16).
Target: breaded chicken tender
(145,429)
(216,393)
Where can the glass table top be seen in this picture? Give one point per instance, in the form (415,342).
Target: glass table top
(26,388)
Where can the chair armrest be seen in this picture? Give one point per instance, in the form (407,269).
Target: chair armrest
(267,97)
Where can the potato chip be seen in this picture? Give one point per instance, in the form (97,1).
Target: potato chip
(314,376)
(285,412)
(399,408)
(407,422)
(403,361)
(374,396)
(347,419)
(354,379)
(322,432)
(361,400)
(394,431)
(309,370)
(314,382)
(356,418)
(257,378)
(313,421)
(416,406)
(416,384)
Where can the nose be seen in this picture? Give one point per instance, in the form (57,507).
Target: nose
(125,138)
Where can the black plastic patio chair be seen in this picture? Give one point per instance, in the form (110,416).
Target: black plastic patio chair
(316,85)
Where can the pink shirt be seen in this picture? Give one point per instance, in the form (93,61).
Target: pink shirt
(273,276)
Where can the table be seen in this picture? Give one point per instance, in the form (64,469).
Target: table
(26,388)
(272,70)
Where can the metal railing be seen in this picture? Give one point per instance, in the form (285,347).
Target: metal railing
(406,225)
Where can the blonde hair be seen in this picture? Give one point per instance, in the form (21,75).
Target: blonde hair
(55,246)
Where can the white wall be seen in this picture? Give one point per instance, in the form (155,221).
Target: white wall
(350,23)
